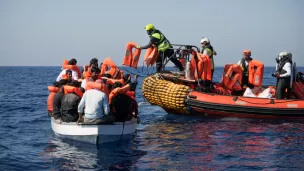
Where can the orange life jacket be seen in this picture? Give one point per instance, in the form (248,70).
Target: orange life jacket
(232,77)
(114,71)
(131,94)
(218,89)
(112,81)
(151,56)
(53,90)
(131,59)
(70,89)
(87,73)
(203,70)
(65,65)
(99,86)
(64,76)
(118,90)
(255,72)
(120,74)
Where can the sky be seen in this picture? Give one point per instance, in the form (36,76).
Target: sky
(44,33)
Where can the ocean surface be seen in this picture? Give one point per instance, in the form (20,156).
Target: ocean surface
(162,141)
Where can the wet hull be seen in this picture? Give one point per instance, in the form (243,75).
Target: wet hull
(94,134)
(205,104)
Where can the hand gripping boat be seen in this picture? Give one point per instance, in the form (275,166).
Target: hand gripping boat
(198,95)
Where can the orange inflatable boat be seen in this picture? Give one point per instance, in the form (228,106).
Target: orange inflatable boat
(226,98)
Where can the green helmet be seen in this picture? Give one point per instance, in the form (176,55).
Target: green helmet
(149,27)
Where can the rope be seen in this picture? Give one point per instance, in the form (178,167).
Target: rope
(266,103)
(123,128)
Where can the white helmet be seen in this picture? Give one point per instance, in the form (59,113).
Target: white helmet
(283,54)
(205,39)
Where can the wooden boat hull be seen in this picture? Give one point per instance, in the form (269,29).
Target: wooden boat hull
(94,134)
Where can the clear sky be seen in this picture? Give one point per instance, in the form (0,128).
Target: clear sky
(44,33)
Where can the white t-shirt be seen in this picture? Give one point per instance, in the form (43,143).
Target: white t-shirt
(84,83)
(95,103)
(74,75)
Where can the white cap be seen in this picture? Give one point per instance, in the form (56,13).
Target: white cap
(204,39)
(283,54)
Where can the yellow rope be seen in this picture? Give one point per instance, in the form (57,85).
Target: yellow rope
(165,93)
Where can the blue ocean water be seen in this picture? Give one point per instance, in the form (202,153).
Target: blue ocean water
(162,141)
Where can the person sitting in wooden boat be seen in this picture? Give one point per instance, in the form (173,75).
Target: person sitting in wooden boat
(122,101)
(93,107)
(164,47)
(54,89)
(71,62)
(109,67)
(108,80)
(57,100)
(283,74)
(94,75)
(244,62)
(70,101)
(87,68)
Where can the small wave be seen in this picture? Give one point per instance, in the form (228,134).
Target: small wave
(3,147)
(142,103)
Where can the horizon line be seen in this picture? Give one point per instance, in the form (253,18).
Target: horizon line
(81,66)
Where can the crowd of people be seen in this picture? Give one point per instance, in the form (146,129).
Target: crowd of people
(98,94)
(103,93)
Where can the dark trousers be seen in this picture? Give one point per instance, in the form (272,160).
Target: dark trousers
(282,85)
(212,71)
(167,54)
(245,80)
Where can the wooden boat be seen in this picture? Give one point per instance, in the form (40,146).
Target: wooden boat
(94,134)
